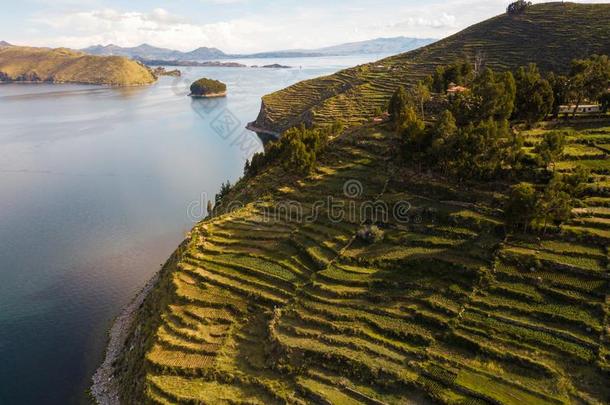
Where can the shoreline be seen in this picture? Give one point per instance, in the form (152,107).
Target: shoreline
(24,82)
(211,95)
(104,389)
(250,126)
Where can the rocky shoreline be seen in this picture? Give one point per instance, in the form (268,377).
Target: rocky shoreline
(210,95)
(105,390)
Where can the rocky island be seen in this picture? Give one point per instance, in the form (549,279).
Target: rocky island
(161,71)
(45,65)
(208,88)
(190,63)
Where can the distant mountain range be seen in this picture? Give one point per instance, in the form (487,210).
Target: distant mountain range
(146,51)
(375,46)
(4,43)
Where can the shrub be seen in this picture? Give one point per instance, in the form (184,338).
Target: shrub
(520,209)
(551,148)
(534,95)
(297,149)
(370,234)
(518,7)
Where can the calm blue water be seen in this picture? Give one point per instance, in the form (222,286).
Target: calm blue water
(97,187)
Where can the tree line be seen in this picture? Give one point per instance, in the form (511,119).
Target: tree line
(297,150)
(473,138)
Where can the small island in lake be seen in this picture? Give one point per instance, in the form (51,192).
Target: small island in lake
(161,71)
(208,88)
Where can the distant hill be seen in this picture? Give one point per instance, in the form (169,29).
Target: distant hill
(146,51)
(375,46)
(550,35)
(4,43)
(389,46)
(66,66)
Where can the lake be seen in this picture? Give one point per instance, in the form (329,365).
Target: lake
(98,186)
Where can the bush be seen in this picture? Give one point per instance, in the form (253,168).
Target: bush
(535,97)
(518,7)
(207,86)
(297,149)
(370,234)
(520,209)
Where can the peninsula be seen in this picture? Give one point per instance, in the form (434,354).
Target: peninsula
(45,65)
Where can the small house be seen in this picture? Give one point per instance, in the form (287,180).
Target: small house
(582,109)
(456,89)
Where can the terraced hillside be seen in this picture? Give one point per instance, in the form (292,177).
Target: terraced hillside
(551,35)
(272,304)
(25,64)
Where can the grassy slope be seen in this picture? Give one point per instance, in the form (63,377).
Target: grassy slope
(66,66)
(549,34)
(443,309)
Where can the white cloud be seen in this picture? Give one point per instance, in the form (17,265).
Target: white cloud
(158,27)
(251,28)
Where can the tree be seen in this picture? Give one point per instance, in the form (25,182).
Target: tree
(576,182)
(398,106)
(295,154)
(225,189)
(534,99)
(551,148)
(421,93)
(520,209)
(477,151)
(460,73)
(414,136)
(590,79)
(508,94)
(560,85)
(494,95)
(555,205)
(514,153)
(518,7)
(442,134)
(247,168)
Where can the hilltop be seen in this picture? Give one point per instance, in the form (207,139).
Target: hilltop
(146,51)
(550,35)
(385,46)
(67,66)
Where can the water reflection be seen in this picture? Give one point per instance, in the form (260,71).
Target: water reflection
(95,183)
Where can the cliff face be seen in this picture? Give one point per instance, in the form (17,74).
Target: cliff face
(65,66)
(551,35)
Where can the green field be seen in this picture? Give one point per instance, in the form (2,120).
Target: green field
(280,311)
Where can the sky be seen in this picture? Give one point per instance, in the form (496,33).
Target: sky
(235,26)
